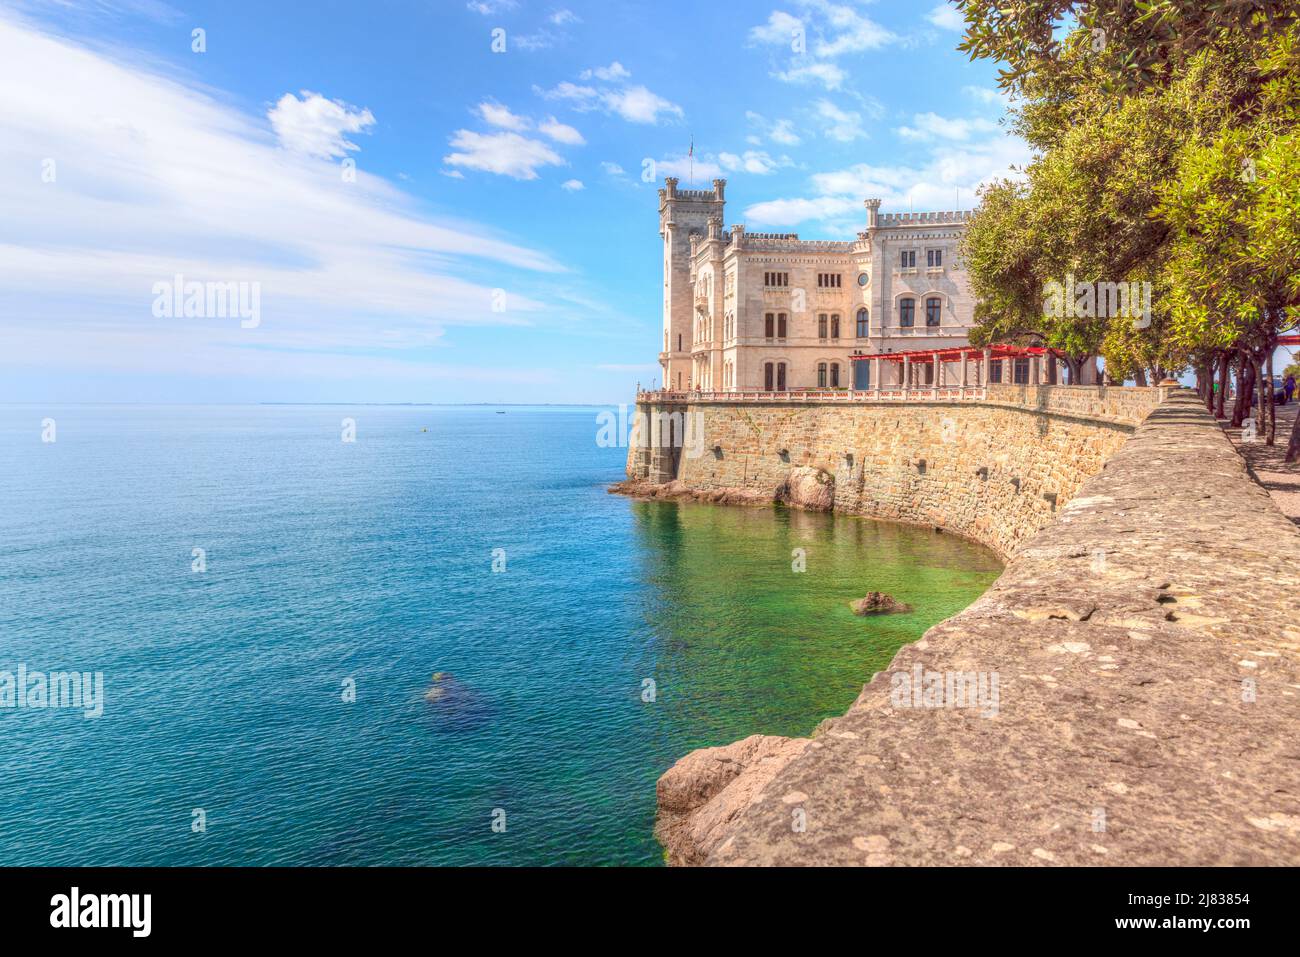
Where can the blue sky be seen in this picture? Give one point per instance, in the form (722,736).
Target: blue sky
(497,243)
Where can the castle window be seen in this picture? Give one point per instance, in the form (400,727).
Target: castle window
(907,259)
(769,328)
(821,326)
(780,325)
(776,280)
(828,280)
(767,377)
(864,324)
(995,370)
(934,258)
(906,313)
(835,325)
(933,310)
(821,375)
(835,375)
(1020,371)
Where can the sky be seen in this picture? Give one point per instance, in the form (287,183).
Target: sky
(433,201)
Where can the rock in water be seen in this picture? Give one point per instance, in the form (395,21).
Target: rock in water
(702,794)
(809,488)
(878,603)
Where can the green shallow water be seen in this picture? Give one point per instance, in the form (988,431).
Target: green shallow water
(748,644)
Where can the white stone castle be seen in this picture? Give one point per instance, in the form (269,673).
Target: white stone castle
(771,312)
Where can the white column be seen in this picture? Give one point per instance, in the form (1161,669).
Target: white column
(984,368)
(963,369)
(938,372)
(907,372)
(875,375)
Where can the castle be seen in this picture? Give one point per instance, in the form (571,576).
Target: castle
(771,312)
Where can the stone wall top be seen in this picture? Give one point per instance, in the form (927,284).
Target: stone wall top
(1147,659)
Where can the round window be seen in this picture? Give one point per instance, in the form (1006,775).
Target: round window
(863,279)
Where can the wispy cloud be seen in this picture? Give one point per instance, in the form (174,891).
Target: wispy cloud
(121,177)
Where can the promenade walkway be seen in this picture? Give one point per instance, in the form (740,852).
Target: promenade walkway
(1266,463)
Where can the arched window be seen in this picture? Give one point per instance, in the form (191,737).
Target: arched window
(835,375)
(835,325)
(821,375)
(864,324)
(767,376)
(821,326)
(769,325)
(780,325)
(906,313)
(933,309)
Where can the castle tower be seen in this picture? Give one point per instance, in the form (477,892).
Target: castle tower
(681,213)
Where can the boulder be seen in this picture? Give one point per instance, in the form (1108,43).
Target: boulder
(878,603)
(702,794)
(810,488)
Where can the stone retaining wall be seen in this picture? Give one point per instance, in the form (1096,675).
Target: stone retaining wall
(1146,652)
(994,471)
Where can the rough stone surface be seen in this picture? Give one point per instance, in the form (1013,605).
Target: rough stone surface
(878,603)
(1147,656)
(701,794)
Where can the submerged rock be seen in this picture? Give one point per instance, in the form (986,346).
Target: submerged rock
(878,603)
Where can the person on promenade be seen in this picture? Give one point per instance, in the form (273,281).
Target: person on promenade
(1288,388)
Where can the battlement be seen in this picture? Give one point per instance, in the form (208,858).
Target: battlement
(671,194)
(953,217)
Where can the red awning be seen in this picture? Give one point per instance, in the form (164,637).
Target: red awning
(954,354)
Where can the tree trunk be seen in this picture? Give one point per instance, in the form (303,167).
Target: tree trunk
(1140,377)
(1245,391)
(1223,384)
(1261,399)
(1272,409)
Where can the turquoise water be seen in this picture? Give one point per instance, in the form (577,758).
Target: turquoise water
(371,562)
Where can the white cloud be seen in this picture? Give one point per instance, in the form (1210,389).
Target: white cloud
(843,126)
(505,153)
(949,179)
(316,126)
(582,97)
(636,104)
(560,132)
(494,114)
(827,74)
(751,161)
(157,177)
(984,95)
(613,169)
(947,17)
(778,131)
(788,212)
(930,126)
(610,74)
(490,7)
(692,169)
(572,185)
(780,28)
(561,17)
(848,31)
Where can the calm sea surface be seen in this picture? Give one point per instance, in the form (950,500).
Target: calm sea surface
(333,564)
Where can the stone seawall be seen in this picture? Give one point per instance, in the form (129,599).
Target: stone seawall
(1145,651)
(993,471)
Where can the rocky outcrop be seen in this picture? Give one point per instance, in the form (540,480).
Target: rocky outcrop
(809,488)
(677,491)
(878,603)
(701,794)
(1126,693)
